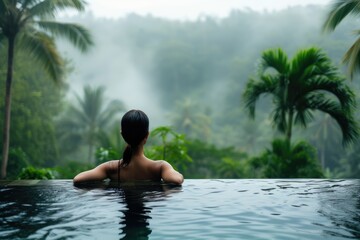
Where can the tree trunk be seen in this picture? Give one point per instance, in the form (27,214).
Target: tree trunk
(289,126)
(6,128)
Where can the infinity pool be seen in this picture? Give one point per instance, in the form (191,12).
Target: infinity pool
(200,209)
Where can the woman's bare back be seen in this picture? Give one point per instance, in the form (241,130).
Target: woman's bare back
(137,170)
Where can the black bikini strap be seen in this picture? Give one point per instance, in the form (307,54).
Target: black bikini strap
(119,172)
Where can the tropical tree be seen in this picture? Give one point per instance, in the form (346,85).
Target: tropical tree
(86,121)
(36,103)
(338,11)
(298,87)
(30,25)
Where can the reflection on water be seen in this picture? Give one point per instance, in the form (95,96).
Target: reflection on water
(200,209)
(135,220)
(135,215)
(342,208)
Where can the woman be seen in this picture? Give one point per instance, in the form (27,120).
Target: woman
(134,165)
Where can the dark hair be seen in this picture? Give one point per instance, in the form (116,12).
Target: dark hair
(134,128)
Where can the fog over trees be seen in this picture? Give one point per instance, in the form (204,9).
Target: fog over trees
(153,63)
(190,75)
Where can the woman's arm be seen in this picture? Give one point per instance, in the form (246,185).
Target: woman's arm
(170,175)
(97,174)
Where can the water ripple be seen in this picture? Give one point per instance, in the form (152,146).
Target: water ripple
(200,209)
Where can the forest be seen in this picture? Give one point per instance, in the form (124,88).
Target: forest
(212,88)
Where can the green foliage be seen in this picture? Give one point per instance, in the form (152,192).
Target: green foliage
(37,173)
(106,154)
(17,161)
(32,22)
(30,26)
(172,148)
(206,60)
(298,87)
(70,169)
(286,161)
(230,168)
(36,103)
(339,10)
(208,160)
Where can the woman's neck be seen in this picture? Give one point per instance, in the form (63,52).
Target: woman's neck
(139,152)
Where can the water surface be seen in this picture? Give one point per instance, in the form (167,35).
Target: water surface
(200,209)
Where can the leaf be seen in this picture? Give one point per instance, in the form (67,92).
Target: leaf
(43,49)
(78,35)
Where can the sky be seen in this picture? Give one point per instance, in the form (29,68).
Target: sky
(187,9)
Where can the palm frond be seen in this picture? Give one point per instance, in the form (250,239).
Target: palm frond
(43,48)
(113,108)
(352,58)
(78,116)
(308,63)
(281,148)
(254,89)
(275,59)
(50,7)
(345,120)
(78,35)
(26,3)
(303,116)
(91,104)
(335,86)
(279,118)
(339,10)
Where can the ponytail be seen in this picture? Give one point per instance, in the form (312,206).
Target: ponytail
(127,154)
(134,128)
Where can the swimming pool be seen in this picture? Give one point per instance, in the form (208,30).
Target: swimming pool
(200,209)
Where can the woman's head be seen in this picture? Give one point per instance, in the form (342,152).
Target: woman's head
(134,129)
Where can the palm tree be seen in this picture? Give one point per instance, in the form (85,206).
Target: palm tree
(339,10)
(298,87)
(30,25)
(87,121)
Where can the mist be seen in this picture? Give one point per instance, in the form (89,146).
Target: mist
(110,63)
(154,64)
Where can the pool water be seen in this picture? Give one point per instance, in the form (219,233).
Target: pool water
(200,209)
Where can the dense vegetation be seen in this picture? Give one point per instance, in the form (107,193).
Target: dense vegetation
(31,26)
(190,76)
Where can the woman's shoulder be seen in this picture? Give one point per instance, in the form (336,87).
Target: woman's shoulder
(158,162)
(161,164)
(111,166)
(155,165)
